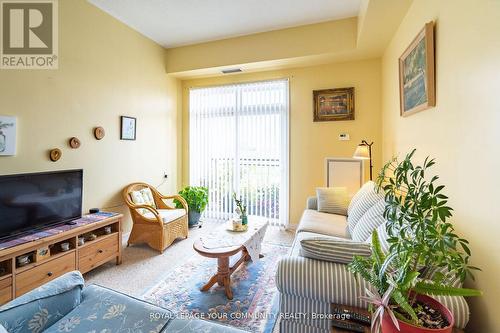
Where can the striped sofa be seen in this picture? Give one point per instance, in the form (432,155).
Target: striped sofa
(307,287)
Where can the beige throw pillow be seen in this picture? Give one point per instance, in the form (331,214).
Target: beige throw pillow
(333,200)
(143,197)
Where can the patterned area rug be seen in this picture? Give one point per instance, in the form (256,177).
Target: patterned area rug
(253,307)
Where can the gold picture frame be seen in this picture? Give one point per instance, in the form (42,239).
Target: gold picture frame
(333,104)
(417,87)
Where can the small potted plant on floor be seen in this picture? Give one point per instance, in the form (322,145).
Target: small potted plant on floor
(197,199)
(420,237)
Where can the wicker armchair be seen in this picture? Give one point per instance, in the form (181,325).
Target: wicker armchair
(158,227)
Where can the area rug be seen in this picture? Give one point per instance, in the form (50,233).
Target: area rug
(253,307)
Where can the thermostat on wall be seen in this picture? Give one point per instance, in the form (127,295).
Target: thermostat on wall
(344,137)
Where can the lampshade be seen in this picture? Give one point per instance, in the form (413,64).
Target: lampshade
(362,152)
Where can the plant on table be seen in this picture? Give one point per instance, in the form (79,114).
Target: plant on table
(241,209)
(197,200)
(419,235)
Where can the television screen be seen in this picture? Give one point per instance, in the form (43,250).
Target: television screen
(31,201)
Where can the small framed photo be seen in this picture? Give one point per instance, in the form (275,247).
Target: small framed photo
(8,135)
(333,104)
(417,89)
(128,128)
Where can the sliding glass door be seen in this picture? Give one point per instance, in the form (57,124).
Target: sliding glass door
(239,143)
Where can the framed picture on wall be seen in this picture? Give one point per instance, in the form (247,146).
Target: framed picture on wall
(8,135)
(333,104)
(128,128)
(417,88)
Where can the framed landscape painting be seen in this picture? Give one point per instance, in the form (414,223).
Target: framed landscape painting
(416,74)
(333,104)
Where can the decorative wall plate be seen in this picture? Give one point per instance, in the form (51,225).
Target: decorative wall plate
(74,143)
(55,154)
(99,133)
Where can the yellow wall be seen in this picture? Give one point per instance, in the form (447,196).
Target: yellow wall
(311,143)
(462,131)
(106,70)
(303,41)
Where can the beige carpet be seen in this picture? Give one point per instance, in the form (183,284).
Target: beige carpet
(143,267)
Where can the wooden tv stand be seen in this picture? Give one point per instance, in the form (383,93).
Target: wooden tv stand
(16,280)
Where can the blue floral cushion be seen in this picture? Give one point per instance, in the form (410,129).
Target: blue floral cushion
(103,310)
(42,307)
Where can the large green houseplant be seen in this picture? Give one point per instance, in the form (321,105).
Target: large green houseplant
(197,200)
(420,236)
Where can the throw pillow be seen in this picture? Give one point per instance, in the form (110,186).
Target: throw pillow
(370,221)
(143,197)
(333,200)
(382,236)
(148,197)
(448,278)
(333,249)
(368,186)
(363,200)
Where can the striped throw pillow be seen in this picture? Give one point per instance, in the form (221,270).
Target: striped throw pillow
(367,187)
(333,249)
(449,278)
(333,200)
(371,220)
(363,200)
(382,236)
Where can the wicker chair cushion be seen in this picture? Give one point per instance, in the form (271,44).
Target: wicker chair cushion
(143,197)
(167,215)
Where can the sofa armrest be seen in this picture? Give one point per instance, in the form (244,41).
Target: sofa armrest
(319,280)
(312,203)
(331,282)
(43,306)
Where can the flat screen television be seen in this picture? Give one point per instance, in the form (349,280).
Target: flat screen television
(32,201)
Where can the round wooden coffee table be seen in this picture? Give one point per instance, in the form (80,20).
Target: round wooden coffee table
(224,271)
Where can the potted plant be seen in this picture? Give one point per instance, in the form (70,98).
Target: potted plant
(241,209)
(197,199)
(419,236)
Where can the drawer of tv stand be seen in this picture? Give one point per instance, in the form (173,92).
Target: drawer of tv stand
(5,290)
(97,253)
(43,273)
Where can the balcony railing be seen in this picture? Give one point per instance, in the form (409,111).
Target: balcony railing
(258,183)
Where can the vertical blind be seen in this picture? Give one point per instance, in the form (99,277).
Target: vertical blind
(239,143)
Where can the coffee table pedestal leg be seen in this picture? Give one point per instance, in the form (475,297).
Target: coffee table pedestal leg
(222,278)
(224,271)
(209,284)
(224,275)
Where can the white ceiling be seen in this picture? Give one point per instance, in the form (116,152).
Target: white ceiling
(174,23)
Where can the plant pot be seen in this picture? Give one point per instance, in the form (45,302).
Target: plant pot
(388,325)
(193,218)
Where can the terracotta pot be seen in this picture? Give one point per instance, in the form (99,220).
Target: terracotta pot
(388,325)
